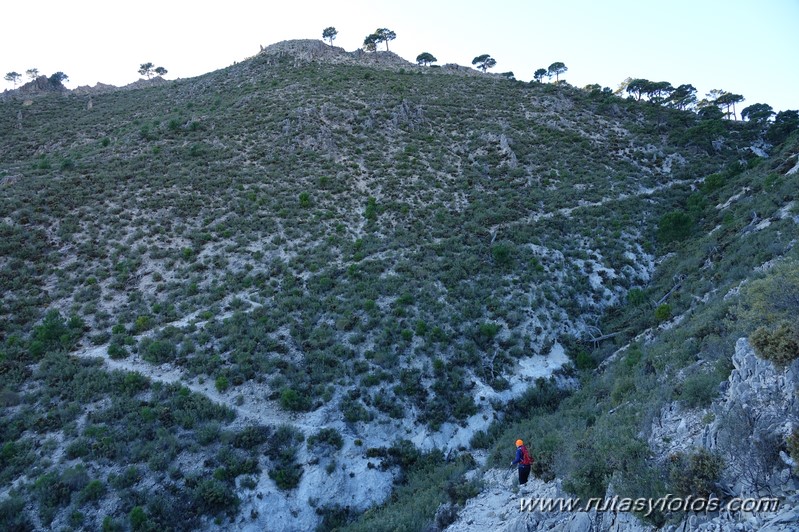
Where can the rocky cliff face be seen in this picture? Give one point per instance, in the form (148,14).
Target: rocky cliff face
(757,412)
(747,425)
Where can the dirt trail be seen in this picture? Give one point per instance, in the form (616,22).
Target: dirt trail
(249,405)
(566,211)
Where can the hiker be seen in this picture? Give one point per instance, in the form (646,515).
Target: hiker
(524,460)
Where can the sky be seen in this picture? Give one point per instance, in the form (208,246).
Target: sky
(748,47)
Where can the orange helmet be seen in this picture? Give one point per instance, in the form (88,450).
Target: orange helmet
(519,443)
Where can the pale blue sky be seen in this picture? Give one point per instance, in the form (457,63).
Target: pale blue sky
(749,47)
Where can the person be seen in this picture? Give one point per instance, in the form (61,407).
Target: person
(524,461)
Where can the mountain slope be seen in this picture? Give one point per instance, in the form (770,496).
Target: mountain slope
(334,241)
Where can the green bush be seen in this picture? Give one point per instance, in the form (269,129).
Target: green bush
(286,478)
(429,482)
(53,490)
(294,401)
(636,297)
(213,496)
(221,384)
(138,519)
(712,183)
(772,299)
(779,345)
(93,491)
(55,334)
(282,450)
(112,525)
(792,442)
(694,473)
(370,213)
(328,437)
(142,324)
(502,253)
(663,312)
(354,411)
(251,437)
(128,478)
(699,389)
(157,351)
(13,516)
(583,360)
(117,351)
(674,226)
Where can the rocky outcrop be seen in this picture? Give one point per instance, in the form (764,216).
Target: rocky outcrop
(96,89)
(146,83)
(36,87)
(747,425)
(301,51)
(759,408)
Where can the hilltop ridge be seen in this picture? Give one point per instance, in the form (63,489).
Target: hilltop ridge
(315,50)
(296,51)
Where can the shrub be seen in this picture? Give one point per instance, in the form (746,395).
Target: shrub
(157,351)
(773,299)
(129,477)
(286,478)
(502,253)
(663,312)
(354,411)
(54,333)
(142,323)
(694,474)
(330,437)
(370,213)
(779,345)
(282,450)
(138,519)
(117,351)
(699,389)
(711,183)
(93,491)
(213,496)
(251,436)
(54,491)
(636,297)
(111,525)
(486,333)
(222,383)
(674,226)
(291,399)
(793,446)
(196,150)
(584,361)
(334,517)
(13,516)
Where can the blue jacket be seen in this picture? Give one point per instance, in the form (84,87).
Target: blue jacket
(519,457)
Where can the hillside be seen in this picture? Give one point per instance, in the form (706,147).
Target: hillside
(265,297)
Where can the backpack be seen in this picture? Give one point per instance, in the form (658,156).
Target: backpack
(526,458)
